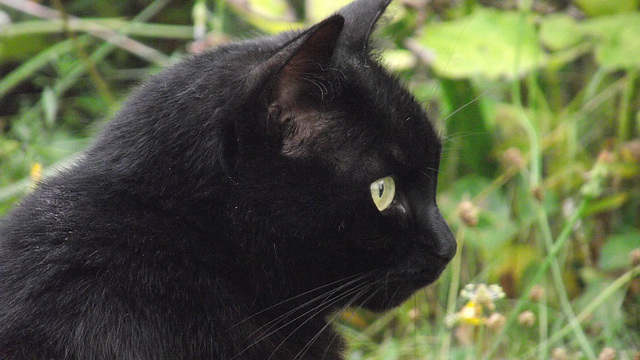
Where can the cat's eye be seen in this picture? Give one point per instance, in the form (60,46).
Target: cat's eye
(382,192)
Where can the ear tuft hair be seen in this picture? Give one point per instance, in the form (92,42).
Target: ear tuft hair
(360,18)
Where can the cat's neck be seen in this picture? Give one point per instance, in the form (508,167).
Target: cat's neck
(295,329)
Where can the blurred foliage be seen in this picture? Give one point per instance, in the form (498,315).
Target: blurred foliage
(539,108)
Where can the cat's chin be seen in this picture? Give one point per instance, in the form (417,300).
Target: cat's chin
(397,288)
(381,304)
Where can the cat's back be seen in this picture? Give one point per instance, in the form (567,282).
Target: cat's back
(83,267)
(112,247)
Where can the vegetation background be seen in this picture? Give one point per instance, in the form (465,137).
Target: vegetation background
(538,105)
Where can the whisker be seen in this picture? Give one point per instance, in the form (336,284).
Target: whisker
(306,348)
(317,310)
(327,302)
(333,338)
(296,297)
(467,104)
(456,136)
(269,325)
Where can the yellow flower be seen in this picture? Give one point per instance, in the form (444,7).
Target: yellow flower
(471,314)
(36,172)
(480,303)
(483,294)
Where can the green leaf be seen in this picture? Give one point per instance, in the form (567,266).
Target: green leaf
(609,203)
(270,16)
(615,252)
(50,106)
(560,31)
(609,314)
(271,9)
(20,48)
(468,127)
(317,10)
(488,43)
(494,229)
(398,59)
(495,226)
(617,40)
(389,350)
(8,146)
(605,7)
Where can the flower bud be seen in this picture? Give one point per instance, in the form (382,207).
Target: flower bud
(607,354)
(495,321)
(413,314)
(468,213)
(537,293)
(635,257)
(527,319)
(512,158)
(559,354)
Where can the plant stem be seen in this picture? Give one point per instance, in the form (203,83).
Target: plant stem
(150,54)
(543,221)
(454,286)
(623,280)
(220,11)
(625,117)
(543,327)
(542,270)
(556,275)
(29,67)
(98,81)
(62,86)
(129,28)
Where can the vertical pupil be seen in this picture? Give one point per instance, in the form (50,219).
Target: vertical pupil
(380,190)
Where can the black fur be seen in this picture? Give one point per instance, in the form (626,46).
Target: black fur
(225,212)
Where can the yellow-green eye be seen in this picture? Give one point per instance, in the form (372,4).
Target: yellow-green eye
(383,191)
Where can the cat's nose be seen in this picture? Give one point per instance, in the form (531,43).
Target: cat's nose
(444,242)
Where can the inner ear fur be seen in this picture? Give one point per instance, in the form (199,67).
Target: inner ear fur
(303,82)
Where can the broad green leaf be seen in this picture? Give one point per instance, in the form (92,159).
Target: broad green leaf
(20,48)
(494,229)
(615,252)
(606,7)
(271,9)
(560,31)
(317,10)
(468,126)
(617,40)
(270,16)
(272,26)
(514,260)
(488,43)
(399,59)
(8,146)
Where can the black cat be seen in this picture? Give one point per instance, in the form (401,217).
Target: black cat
(237,201)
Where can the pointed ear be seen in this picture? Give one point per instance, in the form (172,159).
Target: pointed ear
(308,65)
(360,18)
(295,92)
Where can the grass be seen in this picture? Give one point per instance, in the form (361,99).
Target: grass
(540,174)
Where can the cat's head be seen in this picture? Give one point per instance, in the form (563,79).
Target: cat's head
(339,165)
(322,166)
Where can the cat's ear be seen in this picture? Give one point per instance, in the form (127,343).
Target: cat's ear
(360,18)
(308,62)
(302,82)
(279,81)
